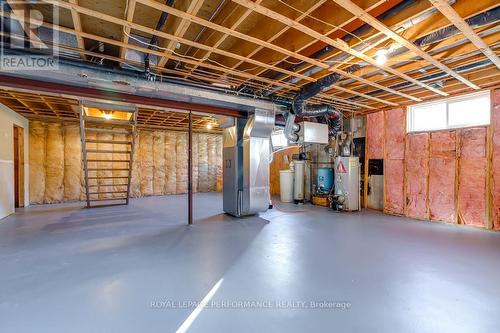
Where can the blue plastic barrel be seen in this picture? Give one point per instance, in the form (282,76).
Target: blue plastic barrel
(325,180)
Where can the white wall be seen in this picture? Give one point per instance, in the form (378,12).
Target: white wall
(7,120)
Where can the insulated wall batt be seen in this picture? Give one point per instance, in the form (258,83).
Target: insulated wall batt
(394,161)
(219,163)
(37,141)
(195,162)
(117,183)
(442,172)
(72,163)
(170,162)
(135,181)
(417,173)
(158,163)
(394,187)
(54,164)
(212,163)
(146,158)
(472,177)
(495,166)
(202,163)
(395,132)
(105,184)
(182,162)
(375,135)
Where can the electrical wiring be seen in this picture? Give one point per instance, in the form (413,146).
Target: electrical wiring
(321,21)
(194,58)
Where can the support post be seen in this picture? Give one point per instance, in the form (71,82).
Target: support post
(190,169)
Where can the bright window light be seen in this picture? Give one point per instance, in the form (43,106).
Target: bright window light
(470,112)
(464,111)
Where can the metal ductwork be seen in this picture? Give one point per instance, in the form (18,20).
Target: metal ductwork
(300,108)
(479,20)
(75,74)
(246,158)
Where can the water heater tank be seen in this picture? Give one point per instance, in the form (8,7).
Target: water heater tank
(298,186)
(325,180)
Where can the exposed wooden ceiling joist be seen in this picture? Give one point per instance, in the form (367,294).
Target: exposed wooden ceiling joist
(448,11)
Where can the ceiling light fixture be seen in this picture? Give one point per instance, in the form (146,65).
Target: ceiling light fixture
(381,56)
(107,115)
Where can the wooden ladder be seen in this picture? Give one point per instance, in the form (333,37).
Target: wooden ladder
(96,184)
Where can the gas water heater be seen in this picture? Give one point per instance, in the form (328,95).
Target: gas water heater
(347,188)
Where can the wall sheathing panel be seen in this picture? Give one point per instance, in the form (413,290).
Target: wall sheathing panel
(417,174)
(442,176)
(394,161)
(159,166)
(170,163)
(158,163)
(37,140)
(146,158)
(72,163)
(375,135)
(495,163)
(54,164)
(472,177)
(182,163)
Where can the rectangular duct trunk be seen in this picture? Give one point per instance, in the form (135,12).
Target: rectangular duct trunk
(246,164)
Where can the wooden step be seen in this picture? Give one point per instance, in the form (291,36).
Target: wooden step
(104,151)
(107,169)
(107,192)
(107,130)
(99,185)
(114,161)
(109,141)
(108,199)
(109,177)
(114,122)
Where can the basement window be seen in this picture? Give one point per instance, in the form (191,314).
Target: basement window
(457,112)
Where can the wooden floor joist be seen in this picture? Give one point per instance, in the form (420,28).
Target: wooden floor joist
(222,43)
(448,11)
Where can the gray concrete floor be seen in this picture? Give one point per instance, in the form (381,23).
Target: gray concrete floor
(124,269)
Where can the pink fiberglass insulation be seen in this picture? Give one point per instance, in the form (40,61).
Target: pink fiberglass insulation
(443,144)
(442,189)
(417,171)
(375,135)
(442,172)
(472,177)
(496,161)
(394,187)
(395,134)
